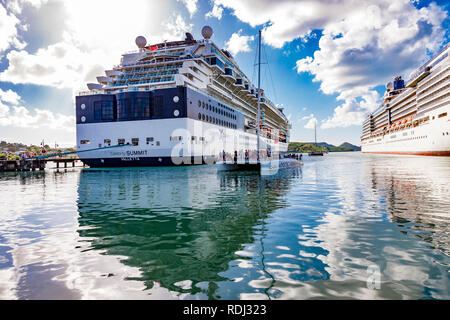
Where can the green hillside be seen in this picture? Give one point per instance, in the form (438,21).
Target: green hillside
(10,150)
(305,147)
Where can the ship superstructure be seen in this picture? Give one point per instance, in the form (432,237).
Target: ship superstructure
(182,99)
(414,116)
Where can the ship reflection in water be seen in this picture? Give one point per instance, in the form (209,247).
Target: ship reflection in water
(181,227)
(194,233)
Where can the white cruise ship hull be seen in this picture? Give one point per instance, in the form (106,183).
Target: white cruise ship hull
(429,139)
(413,118)
(175,103)
(191,128)
(162,151)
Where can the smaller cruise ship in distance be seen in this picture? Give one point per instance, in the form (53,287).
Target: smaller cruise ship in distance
(179,102)
(414,117)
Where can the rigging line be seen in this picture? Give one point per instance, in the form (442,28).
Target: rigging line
(270,74)
(255,61)
(263,264)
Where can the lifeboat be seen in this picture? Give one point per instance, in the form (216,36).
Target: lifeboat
(405,121)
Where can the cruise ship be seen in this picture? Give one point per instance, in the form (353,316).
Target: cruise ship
(413,118)
(180,102)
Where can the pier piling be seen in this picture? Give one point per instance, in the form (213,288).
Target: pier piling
(22,165)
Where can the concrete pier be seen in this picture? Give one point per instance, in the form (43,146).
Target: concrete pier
(22,165)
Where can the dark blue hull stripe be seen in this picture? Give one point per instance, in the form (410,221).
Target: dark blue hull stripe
(142,162)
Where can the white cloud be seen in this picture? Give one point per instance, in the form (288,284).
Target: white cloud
(286,20)
(312,121)
(20,117)
(16,6)
(8,30)
(216,12)
(88,47)
(363,44)
(9,96)
(353,111)
(238,43)
(175,28)
(19,124)
(191,6)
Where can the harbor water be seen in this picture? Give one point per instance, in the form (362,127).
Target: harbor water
(344,226)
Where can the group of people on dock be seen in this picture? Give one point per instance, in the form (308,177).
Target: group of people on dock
(246,155)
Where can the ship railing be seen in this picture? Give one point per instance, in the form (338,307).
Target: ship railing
(148,74)
(437,103)
(154,62)
(89,93)
(422,68)
(170,79)
(436,78)
(431,97)
(151,69)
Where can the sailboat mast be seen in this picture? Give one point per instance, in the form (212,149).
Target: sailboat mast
(259,93)
(315,135)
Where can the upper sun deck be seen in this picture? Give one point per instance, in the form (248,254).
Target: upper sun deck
(199,64)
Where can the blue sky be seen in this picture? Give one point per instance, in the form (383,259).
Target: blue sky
(328,60)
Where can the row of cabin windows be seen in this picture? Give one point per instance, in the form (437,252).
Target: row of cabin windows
(135,141)
(129,109)
(219,122)
(218,110)
(193,138)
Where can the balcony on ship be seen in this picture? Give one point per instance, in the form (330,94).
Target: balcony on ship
(104,80)
(229,74)
(239,83)
(113,73)
(216,63)
(246,89)
(94,86)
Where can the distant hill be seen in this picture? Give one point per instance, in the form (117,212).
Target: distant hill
(303,147)
(322,144)
(306,147)
(350,146)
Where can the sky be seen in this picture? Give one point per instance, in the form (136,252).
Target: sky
(326,62)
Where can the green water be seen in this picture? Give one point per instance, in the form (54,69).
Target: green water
(194,233)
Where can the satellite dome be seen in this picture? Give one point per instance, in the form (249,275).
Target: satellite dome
(207,32)
(141,42)
(389,85)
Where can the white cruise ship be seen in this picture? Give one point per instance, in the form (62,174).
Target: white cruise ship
(413,118)
(180,102)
